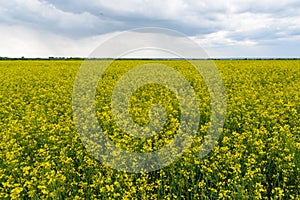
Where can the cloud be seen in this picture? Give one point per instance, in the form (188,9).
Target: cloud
(39,15)
(249,26)
(17,41)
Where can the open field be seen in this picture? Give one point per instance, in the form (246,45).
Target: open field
(257,155)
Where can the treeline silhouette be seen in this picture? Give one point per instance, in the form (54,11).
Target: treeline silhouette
(81,58)
(49,58)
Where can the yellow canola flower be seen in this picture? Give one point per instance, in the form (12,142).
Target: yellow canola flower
(43,157)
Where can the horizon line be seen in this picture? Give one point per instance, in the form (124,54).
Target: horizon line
(145,58)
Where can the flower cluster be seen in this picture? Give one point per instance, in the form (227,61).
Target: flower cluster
(256,157)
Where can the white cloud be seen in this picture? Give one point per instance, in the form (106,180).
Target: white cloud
(248,26)
(17,41)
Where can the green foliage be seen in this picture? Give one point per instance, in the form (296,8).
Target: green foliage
(256,157)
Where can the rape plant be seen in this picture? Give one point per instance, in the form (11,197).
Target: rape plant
(256,157)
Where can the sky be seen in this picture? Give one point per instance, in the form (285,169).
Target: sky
(74,28)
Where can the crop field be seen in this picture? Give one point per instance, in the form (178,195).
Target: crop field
(257,155)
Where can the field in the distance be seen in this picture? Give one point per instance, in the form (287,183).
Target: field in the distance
(256,157)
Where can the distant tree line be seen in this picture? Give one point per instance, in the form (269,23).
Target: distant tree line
(49,58)
(80,58)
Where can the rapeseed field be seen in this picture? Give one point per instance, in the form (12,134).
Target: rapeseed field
(257,155)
